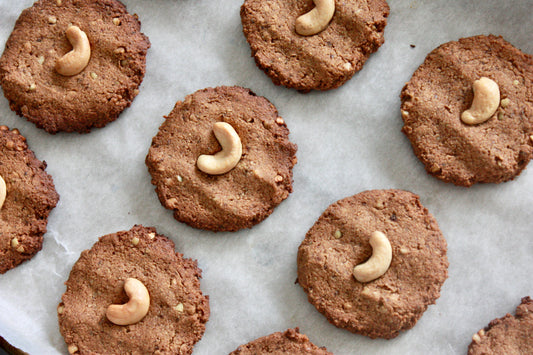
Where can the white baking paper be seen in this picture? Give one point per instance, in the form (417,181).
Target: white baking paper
(349,141)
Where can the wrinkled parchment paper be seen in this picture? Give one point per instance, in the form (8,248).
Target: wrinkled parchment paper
(349,140)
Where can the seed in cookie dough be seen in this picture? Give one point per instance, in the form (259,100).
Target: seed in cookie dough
(116,21)
(179,307)
(40,59)
(278,178)
(94,75)
(32,87)
(14,243)
(135,241)
(52,20)
(72,348)
(280,120)
(180,179)
(338,234)
(505,102)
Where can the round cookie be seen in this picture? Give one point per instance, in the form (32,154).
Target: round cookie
(177,312)
(439,91)
(95,96)
(288,342)
(339,241)
(322,61)
(30,196)
(507,335)
(249,192)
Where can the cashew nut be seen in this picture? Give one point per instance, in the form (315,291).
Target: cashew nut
(485,103)
(3,191)
(378,263)
(136,308)
(77,59)
(228,157)
(317,19)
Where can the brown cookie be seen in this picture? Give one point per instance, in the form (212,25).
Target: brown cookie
(441,89)
(510,335)
(322,61)
(177,311)
(288,342)
(339,241)
(95,96)
(230,201)
(30,196)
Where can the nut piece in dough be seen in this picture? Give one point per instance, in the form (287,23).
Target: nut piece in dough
(228,157)
(485,103)
(77,59)
(317,19)
(3,191)
(378,263)
(136,308)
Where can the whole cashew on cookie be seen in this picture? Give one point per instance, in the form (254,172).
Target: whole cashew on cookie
(135,309)
(228,157)
(317,19)
(77,59)
(378,263)
(3,191)
(485,103)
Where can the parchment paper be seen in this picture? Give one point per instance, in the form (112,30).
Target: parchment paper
(349,141)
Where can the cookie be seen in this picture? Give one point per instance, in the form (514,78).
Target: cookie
(288,342)
(340,240)
(30,195)
(510,335)
(441,89)
(247,193)
(177,311)
(322,61)
(93,97)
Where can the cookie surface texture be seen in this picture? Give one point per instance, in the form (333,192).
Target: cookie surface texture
(494,151)
(339,241)
(178,310)
(95,96)
(30,196)
(322,61)
(287,342)
(249,192)
(510,335)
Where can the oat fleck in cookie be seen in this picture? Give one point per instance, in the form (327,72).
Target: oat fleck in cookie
(132,293)
(358,282)
(288,342)
(468,111)
(27,195)
(306,45)
(510,335)
(73,65)
(222,160)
